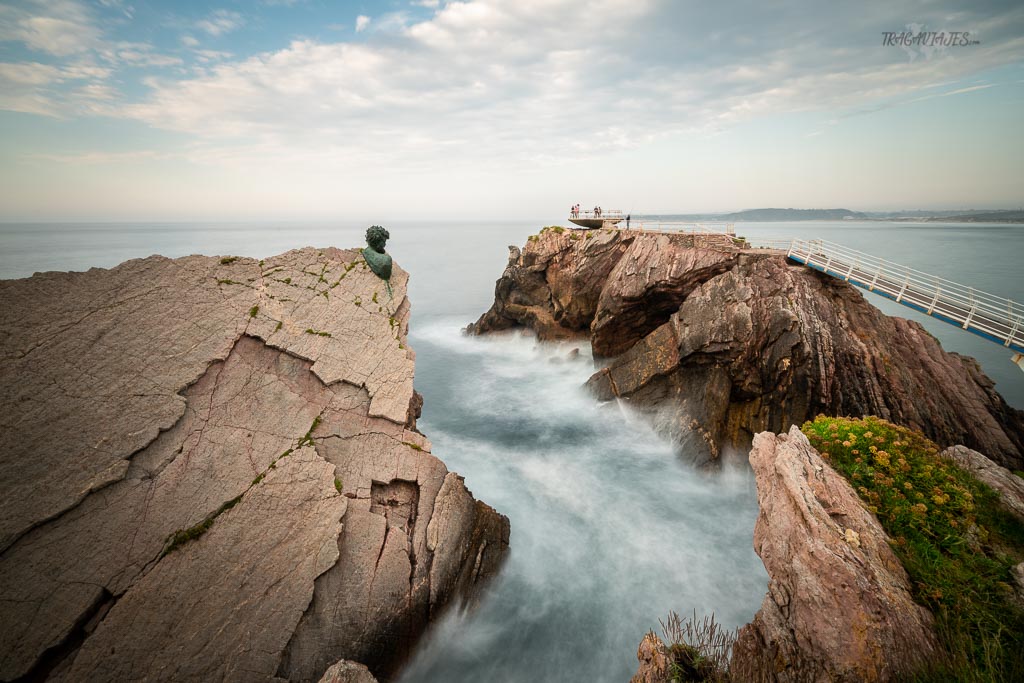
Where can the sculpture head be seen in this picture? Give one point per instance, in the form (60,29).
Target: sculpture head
(377,237)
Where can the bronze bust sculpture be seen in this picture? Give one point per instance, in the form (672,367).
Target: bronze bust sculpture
(378,260)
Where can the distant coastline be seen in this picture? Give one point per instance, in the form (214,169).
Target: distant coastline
(774,214)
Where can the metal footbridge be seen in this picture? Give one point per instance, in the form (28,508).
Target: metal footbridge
(995,318)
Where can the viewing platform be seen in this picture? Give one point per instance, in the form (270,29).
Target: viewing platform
(594,220)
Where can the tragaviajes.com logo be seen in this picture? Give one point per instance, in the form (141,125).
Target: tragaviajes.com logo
(917,41)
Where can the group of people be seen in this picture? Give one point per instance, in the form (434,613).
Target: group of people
(574,212)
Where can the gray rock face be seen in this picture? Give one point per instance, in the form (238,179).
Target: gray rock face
(838,606)
(201,458)
(348,672)
(1008,485)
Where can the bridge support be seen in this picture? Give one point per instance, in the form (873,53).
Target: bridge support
(1018,358)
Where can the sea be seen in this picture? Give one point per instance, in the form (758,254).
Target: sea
(611,528)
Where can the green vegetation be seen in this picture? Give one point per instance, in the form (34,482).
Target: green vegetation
(319,333)
(1019,473)
(228,260)
(374,299)
(183,536)
(253,311)
(532,238)
(278,326)
(410,444)
(307,439)
(553,228)
(231,282)
(955,539)
(337,484)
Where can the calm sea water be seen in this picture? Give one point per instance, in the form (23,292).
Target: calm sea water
(609,529)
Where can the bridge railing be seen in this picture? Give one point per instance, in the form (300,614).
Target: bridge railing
(972,309)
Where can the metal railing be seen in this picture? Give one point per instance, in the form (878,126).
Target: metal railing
(686,228)
(993,317)
(606,214)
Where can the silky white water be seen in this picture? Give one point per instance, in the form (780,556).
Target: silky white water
(610,528)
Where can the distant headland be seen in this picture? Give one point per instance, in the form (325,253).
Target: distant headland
(767,215)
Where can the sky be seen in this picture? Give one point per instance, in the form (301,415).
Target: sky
(308,109)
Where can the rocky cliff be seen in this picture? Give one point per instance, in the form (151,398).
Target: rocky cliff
(720,342)
(211,471)
(839,604)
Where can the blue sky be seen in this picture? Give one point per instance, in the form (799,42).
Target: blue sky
(119,110)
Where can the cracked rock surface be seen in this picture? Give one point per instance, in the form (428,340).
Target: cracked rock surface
(211,471)
(719,343)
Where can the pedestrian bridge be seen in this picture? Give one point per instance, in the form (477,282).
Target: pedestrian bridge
(993,317)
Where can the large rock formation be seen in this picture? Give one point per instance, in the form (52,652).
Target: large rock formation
(838,606)
(211,471)
(1008,485)
(722,342)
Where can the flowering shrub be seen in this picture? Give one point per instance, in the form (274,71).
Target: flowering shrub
(956,541)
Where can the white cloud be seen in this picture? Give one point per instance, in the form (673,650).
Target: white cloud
(60,28)
(491,86)
(138,55)
(432,4)
(119,6)
(220,22)
(487,79)
(207,56)
(30,87)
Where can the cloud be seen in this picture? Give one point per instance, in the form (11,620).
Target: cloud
(362,21)
(206,56)
(32,88)
(119,6)
(189,41)
(432,4)
(220,22)
(542,81)
(138,55)
(72,36)
(60,28)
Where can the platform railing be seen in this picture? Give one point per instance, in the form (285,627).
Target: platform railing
(994,317)
(707,228)
(607,214)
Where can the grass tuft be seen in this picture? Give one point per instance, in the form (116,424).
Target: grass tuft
(698,650)
(228,260)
